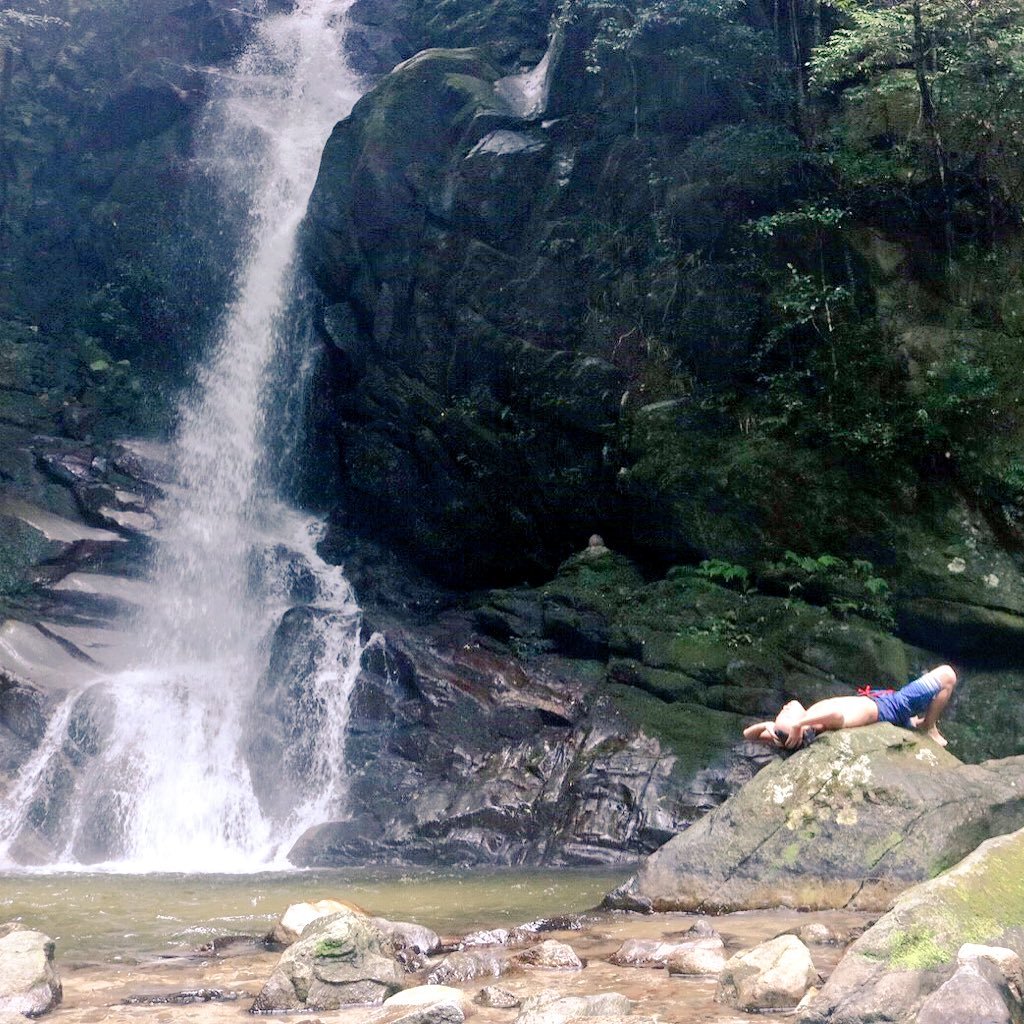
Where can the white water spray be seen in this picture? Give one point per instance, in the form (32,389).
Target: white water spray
(171,788)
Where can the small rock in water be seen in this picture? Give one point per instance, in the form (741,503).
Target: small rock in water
(552,955)
(772,976)
(413,942)
(29,981)
(442,1013)
(185,998)
(497,998)
(818,934)
(644,953)
(298,915)
(460,966)
(562,923)
(232,945)
(700,929)
(552,1007)
(699,958)
(429,1004)
(492,937)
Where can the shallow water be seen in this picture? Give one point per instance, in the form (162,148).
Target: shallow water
(117,918)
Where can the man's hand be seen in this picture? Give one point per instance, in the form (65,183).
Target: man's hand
(790,738)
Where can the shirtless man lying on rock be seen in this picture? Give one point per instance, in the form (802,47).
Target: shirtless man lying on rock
(917,705)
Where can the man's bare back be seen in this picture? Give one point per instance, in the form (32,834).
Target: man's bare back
(917,705)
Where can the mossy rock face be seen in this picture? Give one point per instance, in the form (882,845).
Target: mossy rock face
(686,659)
(960,590)
(910,951)
(850,821)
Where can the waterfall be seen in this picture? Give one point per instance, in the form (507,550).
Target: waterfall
(168,780)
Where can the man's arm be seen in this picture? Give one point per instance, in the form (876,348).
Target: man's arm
(760,733)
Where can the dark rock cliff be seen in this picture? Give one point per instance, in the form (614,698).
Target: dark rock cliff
(597,294)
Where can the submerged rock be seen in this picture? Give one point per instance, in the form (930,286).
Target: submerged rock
(854,819)
(498,998)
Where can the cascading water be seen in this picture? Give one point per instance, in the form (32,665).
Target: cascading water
(168,781)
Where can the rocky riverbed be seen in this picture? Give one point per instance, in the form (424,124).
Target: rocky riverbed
(214,985)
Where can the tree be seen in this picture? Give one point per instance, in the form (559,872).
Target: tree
(949,76)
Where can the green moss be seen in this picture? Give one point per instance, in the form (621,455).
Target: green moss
(791,855)
(696,734)
(917,949)
(332,949)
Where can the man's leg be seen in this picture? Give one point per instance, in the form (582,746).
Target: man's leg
(946,678)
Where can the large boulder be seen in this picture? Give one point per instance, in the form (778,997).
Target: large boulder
(849,822)
(340,960)
(897,969)
(29,981)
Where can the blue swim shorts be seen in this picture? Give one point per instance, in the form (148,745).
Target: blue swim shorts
(912,699)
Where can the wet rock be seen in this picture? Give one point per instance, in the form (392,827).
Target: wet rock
(850,821)
(458,753)
(408,937)
(462,966)
(645,953)
(338,961)
(819,934)
(773,976)
(234,945)
(562,923)
(552,955)
(184,998)
(700,958)
(497,998)
(29,980)
(552,1007)
(22,709)
(438,1013)
(490,937)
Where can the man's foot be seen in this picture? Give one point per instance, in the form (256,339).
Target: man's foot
(937,736)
